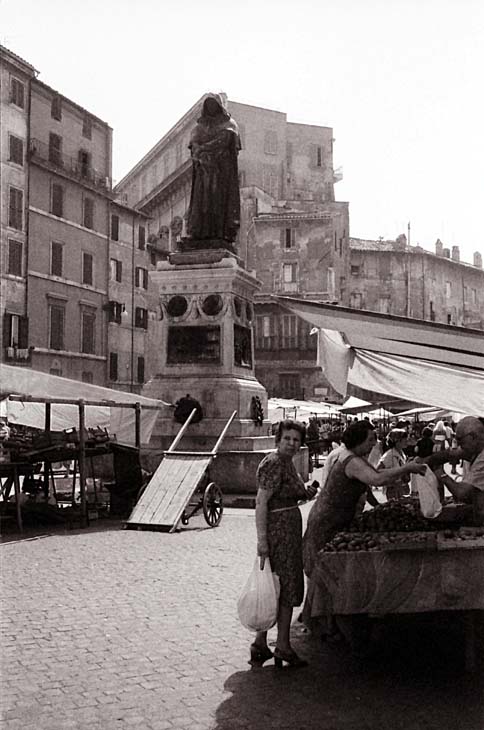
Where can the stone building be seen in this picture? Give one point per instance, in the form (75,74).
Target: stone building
(76,298)
(293,235)
(16,76)
(392,278)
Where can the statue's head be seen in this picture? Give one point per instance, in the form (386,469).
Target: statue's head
(214,106)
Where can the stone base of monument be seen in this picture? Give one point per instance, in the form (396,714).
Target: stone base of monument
(206,351)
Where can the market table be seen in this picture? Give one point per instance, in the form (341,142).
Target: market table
(449,577)
(11,471)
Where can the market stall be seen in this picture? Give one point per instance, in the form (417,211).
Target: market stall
(394,561)
(58,418)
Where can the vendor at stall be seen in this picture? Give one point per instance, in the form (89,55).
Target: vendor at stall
(470,438)
(347,483)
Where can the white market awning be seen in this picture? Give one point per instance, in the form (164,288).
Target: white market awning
(426,362)
(103,406)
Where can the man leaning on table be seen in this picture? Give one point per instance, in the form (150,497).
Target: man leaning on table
(469,435)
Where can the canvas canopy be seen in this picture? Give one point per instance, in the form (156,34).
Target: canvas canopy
(280,408)
(119,421)
(426,362)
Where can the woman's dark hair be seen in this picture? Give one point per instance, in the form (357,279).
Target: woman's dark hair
(290,425)
(356,433)
(427,432)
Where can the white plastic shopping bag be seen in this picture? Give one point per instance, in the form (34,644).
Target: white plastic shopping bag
(258,603)
(428,493)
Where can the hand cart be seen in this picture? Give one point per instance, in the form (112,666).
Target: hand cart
(179,488)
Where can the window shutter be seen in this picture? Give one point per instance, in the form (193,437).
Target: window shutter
(88,213)
(56,262)
(23,332)
(119,270)
(115,227)
(145,278)
(113,366)
(15,213)
(57,200)
(141,369)
(142,237)
(88,320)
(57,327)
(313,155)
(7,329)
(87,268)
(15,257)
(16,150)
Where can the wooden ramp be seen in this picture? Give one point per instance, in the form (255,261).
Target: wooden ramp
(161,505)
(173,484)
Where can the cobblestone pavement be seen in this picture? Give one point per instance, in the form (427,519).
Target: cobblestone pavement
(115,629)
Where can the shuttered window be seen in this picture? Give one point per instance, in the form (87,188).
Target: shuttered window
(115,227)
(141,370)
(113,366)
(116,270)
(87,269)
(16,209)
(56,259)
(55,148)
(15,257)
(88,213)
(15,150)
(56,108)
(141,318)
(17,93)
(141,277)
(57,323)
(15,330)
(87,127)
(88,332)
(57,207)
(142,238)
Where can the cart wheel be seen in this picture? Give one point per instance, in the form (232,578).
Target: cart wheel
(185,520)
(212,504)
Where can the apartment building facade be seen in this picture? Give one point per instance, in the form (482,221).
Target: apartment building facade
(393,278)
(75,288)
(16,76)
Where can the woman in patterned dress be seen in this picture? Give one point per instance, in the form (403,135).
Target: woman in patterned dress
(279,536)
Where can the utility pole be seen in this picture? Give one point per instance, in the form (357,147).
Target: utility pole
(408,269)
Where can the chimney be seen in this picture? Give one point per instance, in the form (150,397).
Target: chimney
(446,252)
(455,253)
(478,259)
(439,247)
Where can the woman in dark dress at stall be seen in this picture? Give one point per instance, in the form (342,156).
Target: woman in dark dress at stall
(279,537)
(347,483)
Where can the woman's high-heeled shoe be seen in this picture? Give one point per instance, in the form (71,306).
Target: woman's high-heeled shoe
(289,657)
(259,655)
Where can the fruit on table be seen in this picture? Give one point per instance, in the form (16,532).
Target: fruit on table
(370,541)
(399,516)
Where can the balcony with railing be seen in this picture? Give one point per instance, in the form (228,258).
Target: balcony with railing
(78,168)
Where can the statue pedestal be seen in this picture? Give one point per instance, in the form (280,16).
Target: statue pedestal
(206,351)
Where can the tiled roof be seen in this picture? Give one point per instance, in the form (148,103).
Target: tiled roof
(363,244)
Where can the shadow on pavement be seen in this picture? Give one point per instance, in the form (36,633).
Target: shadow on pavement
(414,680)
(64,529)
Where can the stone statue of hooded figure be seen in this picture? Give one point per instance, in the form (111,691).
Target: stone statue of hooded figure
(214,211)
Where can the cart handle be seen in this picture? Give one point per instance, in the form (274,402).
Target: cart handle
(222,435)
(181,432)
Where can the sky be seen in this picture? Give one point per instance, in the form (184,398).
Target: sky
(399,81)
